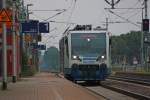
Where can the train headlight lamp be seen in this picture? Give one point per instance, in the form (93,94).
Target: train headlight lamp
(102,57)
(88,39)
(74,57)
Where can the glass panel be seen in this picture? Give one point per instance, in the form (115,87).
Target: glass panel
(88,44)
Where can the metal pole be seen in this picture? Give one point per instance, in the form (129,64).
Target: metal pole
(109,45)
(107,24)
(146,8)
(113,4)
(146,16)
(29,49)
(142,45)
(14,44)
(27,12)
(4,49)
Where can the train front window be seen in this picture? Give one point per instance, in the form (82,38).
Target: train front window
(88,44)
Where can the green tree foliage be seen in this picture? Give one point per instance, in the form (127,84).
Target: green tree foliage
(126,47)
(24,68)
(51,59)
(9,3)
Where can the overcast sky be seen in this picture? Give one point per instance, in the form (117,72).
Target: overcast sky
(85,12)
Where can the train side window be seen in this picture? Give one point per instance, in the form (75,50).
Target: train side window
(110,41)
(66,43)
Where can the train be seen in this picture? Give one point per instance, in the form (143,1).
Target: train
(84,54)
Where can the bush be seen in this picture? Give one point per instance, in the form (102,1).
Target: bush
(26,70)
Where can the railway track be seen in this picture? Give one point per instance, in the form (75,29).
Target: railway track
(97,93)
(127,90)
(109,94)
(137,91)
(117,93)
(132,80)
(115,88)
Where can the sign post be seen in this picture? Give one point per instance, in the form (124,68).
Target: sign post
(14,45)
(3,15)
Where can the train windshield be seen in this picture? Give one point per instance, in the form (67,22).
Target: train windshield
(88,44)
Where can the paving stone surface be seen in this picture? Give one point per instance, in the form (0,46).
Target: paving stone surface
(46,86)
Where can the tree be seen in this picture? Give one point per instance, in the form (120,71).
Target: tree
(51,59)
(126,45)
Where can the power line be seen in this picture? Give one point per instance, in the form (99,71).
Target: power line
(51,36)
(54,15)
(61,22)
(67,28)
(133,15)
(72,12)
(47,10)
(36,16)
(124,18)
(51,30)
(131,8)
(113,22)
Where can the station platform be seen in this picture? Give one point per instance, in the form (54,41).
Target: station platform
(46,86)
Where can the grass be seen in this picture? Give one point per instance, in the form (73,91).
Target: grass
(133,69)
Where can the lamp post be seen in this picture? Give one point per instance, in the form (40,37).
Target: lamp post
(4,50)
(31,55)
(28,11)
(14,43)
(27,19)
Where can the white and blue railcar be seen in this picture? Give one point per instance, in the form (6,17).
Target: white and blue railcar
(84,55)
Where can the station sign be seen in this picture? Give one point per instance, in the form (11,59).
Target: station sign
(34,45)
(43,27)
(42,47)
(38,46)
(34,26)
(30,26)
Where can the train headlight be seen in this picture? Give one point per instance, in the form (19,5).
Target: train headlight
(74,57)
(102,57)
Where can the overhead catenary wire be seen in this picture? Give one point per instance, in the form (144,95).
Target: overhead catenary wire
(47,19)
(69,19)
(127,19)
(52,21)
(36,16)
(54,15)
(131,9)
(69,25)
(50,37)
(62,22)
(133,15)
(50,31)
(124,18)
(47,10)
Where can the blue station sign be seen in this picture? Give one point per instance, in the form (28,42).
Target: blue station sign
(42,47)
(30,26)
(43,27)
(34,26)
(38,46)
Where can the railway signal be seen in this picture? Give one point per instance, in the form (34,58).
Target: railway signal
(146,25)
